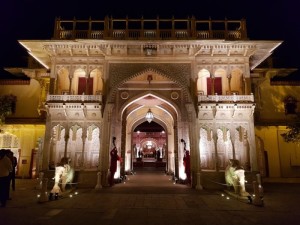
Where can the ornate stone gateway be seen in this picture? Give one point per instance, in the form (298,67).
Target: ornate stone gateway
(102,83)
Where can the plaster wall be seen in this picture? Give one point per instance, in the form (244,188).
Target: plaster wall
(27,98)
(283,157)
(271,104)
(28,136)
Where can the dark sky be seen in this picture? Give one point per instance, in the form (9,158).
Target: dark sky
(34,20)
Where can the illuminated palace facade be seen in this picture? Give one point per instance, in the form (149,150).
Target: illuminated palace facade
(97,79)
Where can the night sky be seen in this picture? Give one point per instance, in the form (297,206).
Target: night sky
(34,20)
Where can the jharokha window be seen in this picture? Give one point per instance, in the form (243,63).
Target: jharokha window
(290,105)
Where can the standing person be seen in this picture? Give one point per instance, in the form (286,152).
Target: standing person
(158,155)
(187,166)
(11,176)
(13,159)
(14,164)
(5,169)
(113,164)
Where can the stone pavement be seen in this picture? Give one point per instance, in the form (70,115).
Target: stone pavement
(151,198)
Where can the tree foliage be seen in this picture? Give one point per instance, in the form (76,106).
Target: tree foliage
(293,133)
(7,106)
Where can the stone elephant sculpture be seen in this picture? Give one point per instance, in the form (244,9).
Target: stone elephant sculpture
(235,176)
(64,174)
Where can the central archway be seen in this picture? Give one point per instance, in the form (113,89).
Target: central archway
(158,139)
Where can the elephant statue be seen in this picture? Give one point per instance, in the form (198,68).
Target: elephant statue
(64,174)
(235,176)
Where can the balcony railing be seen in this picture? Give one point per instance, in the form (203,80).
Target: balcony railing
(74,98)
(150,29)
(226,98)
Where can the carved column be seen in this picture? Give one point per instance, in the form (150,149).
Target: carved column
(47,144)
(52,151)
(244,82)
(232,140)
(70,86)
(251,138)
(212,85)
(123,144)
(194,147)
(66,141)
(83,149)
(176,149)
(215,137)
(229,84)
(105,144)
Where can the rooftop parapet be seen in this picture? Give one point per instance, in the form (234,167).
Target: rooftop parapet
(149,29)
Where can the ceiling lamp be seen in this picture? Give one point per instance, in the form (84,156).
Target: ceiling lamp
(149,116)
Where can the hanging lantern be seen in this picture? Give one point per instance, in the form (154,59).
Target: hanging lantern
(149,116)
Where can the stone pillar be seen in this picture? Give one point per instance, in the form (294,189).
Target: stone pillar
(251,140)
(52,151)
(196,140)
(105,144)
(47,144)
(229,84)
(212,85)
(70,85)
(66,142)
(176,150)
(83,149)
(215,138)
(123,145)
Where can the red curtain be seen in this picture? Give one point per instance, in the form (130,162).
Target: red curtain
(85,85)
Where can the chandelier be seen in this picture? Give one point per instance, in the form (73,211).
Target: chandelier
(149,116)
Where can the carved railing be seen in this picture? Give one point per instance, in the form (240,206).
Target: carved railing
(150,29)
(226,98)
(74,98)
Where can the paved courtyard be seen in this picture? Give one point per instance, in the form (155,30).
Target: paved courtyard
(151,198)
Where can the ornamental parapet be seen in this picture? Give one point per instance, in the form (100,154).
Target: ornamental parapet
(74,98)
(149,29)
(225,98)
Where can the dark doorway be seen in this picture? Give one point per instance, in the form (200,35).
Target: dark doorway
(85,85)
(217,85)
(149,147)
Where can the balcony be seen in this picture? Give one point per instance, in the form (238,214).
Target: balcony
(225,98)
(74,98)
(150,29)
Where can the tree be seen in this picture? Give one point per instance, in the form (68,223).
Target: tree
(293,135)
(7,106)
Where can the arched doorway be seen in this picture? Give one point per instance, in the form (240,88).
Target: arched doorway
(149,147)
(149,144)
